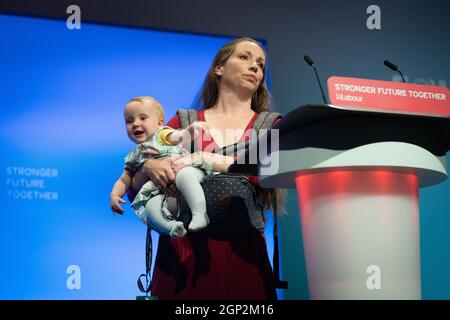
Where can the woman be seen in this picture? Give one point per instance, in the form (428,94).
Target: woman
(199,266)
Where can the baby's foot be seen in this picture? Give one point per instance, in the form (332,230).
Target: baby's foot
(177,230)
(198,222)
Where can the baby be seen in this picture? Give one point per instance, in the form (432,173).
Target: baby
(144,118)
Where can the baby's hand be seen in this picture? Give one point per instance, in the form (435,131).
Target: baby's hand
(196,127)
(115,202)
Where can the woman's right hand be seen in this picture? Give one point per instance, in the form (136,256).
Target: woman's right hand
(160,172)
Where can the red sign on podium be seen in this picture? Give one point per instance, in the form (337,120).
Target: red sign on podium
(387,95)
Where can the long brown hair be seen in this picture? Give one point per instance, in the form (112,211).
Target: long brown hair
(261,101)
(210,90)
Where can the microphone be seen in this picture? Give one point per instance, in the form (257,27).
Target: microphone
(393,67)
(311,64)
(308,60)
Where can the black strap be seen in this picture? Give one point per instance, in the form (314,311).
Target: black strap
(149,250)
(148,261)
(276,257)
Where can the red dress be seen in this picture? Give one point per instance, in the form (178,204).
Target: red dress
(198,266)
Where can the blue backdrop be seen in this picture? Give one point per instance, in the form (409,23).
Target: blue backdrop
(63,141)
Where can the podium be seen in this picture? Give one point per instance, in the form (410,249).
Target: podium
(357,173)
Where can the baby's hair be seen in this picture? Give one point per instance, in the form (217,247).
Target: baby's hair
(154,103)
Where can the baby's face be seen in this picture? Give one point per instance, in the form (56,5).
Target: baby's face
(141,120)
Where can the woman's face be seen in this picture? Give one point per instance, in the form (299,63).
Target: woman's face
(244,70)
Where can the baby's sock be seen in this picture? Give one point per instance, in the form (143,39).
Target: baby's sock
(198,222)
(177,229)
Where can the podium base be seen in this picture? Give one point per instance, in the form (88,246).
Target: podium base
(361,234)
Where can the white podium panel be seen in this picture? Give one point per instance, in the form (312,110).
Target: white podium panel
(361,234)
